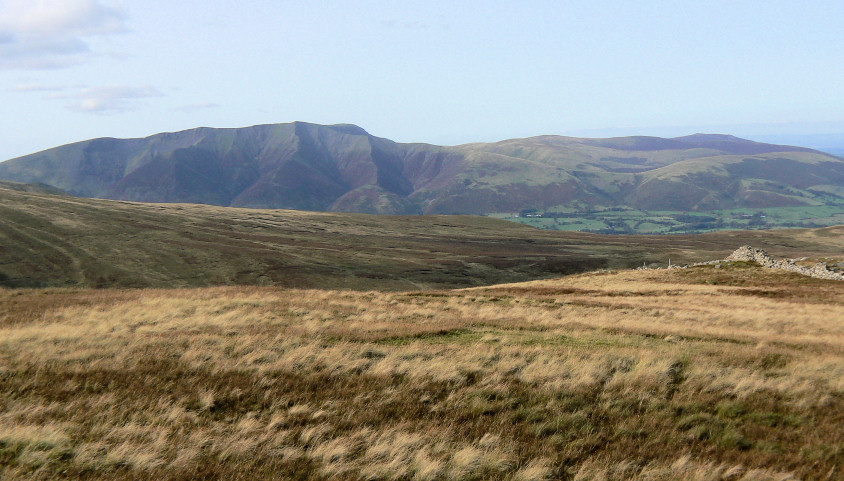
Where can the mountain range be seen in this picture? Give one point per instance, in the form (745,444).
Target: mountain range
(342,168)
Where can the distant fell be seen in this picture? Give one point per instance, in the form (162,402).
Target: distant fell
(343,168)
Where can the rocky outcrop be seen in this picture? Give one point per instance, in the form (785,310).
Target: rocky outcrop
(747,253)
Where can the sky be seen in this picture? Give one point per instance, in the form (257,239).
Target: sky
(442,72)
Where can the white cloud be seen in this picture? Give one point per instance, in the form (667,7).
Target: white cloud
(111,99)
(48,34)
(33,87)
(410,25)
(197,106)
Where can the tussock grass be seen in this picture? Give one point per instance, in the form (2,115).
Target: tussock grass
(631,375)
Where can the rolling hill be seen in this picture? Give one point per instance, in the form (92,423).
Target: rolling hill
(61,240)
(342,168)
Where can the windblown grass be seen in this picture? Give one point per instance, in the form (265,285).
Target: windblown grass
(702,374)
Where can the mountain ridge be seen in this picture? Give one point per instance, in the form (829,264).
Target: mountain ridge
(343,168)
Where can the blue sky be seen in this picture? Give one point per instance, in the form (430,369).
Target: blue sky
(443,72)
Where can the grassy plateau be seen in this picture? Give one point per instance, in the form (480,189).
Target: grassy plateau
(730,373)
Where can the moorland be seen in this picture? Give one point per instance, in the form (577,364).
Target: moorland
(185,341)
(706,373)
(63,241)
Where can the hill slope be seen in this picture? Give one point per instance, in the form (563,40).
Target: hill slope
(51,240)
(342,168)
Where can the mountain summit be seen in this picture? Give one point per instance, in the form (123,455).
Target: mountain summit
(343,168)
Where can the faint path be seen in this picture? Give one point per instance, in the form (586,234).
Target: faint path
(74,262)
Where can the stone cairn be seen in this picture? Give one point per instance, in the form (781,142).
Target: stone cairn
(747,253)
(750,254)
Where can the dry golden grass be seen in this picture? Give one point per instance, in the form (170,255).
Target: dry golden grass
(701,374)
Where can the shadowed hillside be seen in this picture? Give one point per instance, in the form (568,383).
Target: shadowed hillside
(342,168)
(53,240)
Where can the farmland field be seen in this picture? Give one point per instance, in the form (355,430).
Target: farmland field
(634,221)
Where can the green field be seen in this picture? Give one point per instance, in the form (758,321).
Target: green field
(634,221)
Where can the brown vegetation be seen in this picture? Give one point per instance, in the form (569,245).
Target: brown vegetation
(704,373)
(54,241)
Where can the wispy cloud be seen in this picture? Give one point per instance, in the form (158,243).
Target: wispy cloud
(197,106)
(50,34)
(410,24)
(111,99)
(32,87)
(438,22)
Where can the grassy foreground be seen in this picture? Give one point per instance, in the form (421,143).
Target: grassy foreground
(703,374)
